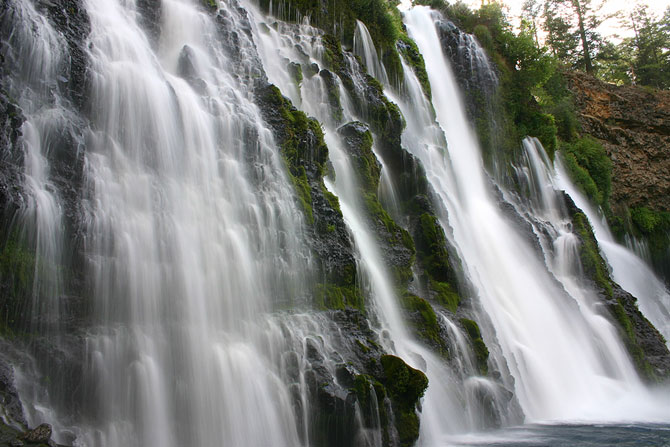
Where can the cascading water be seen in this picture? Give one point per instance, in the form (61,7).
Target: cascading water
(448,393)
(188,244)
(194,253)
(628,270)
(364,47)
(564,366)
(38,58)
(187,250)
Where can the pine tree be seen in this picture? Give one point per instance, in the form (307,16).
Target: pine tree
(571,24)
(651,47)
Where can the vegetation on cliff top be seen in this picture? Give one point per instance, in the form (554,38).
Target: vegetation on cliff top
(533,98)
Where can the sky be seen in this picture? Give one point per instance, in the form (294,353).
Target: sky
(608,28)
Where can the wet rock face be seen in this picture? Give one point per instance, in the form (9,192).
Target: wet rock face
(11,161)
(644,343)
(69,17)
(38,435)
(633,124)
(471,67)
(9,397)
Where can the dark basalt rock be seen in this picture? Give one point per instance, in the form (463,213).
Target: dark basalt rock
(11,160)
(234,28)
(647,337)
(186,69)
(358,143)
(306,157)
(9,396)
(38,435)
(382,387)
(69,18)
(476,76)
(150,13)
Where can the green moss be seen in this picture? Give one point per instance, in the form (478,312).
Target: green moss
(332,91)
(543,127)
(630,340)
(593,264)
(654,226)
(427,326)
(432,248)
(364,386)
(368,168)
(478,345)
(405,386)
(581,178)
(402,381)
(445,295)
(211,4)
(17,271)
(590,168)
(332,296)
(395,235)
(302,143)
(332,55)
(332,199)
(295,70)
(303,190)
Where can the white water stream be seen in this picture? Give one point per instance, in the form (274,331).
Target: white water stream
(565,366)
(193,241)
(631,272)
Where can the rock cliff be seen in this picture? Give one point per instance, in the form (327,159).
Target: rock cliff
(633,124)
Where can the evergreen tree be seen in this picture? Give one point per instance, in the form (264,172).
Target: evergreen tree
(571,30)
(651,47)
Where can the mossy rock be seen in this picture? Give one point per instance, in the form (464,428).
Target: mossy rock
(590,168)
(358,142)
(593,264)
(432,248)
(395,240)
(644,343)
(478,345)
(333,296)
(407,47)
(305,155)
(365,388)
(424,317)
(405,386)
(17,270)
(445,295)
(339,17)
(333,92)
(654,227)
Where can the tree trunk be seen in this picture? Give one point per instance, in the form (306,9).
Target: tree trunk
(582,34)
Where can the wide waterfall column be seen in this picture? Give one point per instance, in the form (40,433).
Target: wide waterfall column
(562,365)
(188,249)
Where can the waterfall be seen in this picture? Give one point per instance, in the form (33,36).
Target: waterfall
(447,392)
(190,244)
(628,269)
(566,359)
(38,58)
(174,266)
(364,47)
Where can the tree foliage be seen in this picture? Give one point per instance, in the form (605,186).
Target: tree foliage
(650,48)
(571,27)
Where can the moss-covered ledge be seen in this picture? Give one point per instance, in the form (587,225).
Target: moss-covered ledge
(401,385)
(644,343)
(305,155)
(396,243)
